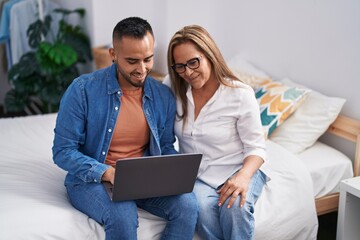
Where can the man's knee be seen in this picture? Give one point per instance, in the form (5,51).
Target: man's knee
(188,206)
(122,213)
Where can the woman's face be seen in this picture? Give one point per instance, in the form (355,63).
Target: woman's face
(187,53)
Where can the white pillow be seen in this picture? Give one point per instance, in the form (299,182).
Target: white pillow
(241,66)
(303,128)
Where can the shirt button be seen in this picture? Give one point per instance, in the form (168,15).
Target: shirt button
(109,130)
(103,153)
(116,108)
(95,180)
(118,92)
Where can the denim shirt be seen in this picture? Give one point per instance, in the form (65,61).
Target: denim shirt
(87,117)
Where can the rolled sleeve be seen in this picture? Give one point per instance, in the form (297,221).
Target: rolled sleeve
(250,128)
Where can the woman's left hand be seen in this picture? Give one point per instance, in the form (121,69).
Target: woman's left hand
(238,184)
(233,187)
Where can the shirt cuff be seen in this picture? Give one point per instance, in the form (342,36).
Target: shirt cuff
(97,172)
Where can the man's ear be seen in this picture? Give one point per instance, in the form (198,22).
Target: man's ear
(112,54)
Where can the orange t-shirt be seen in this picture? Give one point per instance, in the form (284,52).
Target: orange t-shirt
(131,134)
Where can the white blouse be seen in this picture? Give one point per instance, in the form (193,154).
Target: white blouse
(227,130)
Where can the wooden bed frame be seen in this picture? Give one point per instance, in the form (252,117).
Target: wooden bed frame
(348,129)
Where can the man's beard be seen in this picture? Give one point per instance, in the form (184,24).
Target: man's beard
(128,78)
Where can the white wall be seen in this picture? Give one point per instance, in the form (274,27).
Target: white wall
(106,16)
(312,42)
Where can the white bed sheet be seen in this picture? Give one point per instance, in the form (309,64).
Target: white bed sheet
(327,167)
(34,205)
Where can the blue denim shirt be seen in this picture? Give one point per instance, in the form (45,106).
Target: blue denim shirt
(87,117)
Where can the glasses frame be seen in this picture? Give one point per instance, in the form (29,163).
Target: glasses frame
(186,65)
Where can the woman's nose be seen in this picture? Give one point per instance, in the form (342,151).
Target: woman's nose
(188,71)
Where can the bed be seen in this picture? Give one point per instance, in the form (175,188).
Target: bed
(305,184)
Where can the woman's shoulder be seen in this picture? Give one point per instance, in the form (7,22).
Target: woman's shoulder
(237,91)
(238,86)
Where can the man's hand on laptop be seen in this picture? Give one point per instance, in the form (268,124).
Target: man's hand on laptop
(109,175)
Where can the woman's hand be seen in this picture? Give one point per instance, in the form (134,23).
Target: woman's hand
(236,185)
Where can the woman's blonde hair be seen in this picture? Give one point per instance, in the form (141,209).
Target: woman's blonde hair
(205,44)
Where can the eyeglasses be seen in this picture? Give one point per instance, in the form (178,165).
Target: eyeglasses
(193,63)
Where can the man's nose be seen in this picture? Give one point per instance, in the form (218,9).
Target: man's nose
(142,67)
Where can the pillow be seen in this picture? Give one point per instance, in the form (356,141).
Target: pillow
(250,79)
(245,71)
(277,102)
(301,130)
(239,64)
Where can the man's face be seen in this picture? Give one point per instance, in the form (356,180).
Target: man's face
(134,60)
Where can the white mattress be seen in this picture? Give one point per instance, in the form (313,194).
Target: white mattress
(327,167)
(34,205)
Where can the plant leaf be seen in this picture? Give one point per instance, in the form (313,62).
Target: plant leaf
(15,102)
(55,58)
(74,37)
(26,66)
(28,85)
(37,31)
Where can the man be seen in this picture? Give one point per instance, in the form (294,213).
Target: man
(114,113)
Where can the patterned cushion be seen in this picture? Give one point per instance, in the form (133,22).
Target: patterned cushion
(277,102)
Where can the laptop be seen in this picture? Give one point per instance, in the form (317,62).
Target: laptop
(154,176)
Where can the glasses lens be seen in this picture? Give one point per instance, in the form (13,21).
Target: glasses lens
(179,68)
(193,63)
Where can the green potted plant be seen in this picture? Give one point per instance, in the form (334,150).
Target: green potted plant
(41,76)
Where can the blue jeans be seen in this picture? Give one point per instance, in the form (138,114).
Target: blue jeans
(222,223)
(120,219)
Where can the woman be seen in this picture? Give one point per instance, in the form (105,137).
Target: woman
(218,116)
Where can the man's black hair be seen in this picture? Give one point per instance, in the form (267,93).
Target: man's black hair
(132,27)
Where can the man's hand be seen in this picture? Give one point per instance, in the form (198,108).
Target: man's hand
(109,175)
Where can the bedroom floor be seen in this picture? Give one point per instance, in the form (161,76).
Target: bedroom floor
(327,226)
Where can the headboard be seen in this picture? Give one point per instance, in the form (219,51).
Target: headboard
(348,129)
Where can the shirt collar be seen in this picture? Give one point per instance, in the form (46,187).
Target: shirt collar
(213,98)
